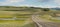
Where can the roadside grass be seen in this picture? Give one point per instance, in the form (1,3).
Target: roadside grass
(50,18)
(29,25)
(55,20)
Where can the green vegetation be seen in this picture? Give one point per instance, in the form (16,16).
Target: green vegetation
(46,9)
(16,23)
(50,16)
(25,14)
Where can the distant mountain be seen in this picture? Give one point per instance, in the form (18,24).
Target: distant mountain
(55,8)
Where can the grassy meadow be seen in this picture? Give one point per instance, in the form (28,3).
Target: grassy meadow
(18,13)
(25,13)
(16,23)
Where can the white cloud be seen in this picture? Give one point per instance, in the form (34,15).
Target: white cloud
(47,6)
(10,2)
(57,2)
(15,1)
(28,5)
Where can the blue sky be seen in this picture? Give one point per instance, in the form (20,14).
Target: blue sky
(36,3)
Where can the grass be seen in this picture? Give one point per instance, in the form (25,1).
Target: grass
(10,14)
(24,15)
(11,23)
(20,14)
(14,23)
(55,20)
(17,23)
(25,21)
(48,17)
(29,25)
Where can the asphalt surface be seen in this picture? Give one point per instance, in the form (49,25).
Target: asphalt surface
(43,23)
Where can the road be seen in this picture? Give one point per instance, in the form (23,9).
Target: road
(43,23)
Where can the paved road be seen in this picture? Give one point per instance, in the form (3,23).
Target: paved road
(43,23)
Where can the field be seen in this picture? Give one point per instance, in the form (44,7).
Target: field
(11,14)
(49,16)
(22,22)
(16,23)
(25,14)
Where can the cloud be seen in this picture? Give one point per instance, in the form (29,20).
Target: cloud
(10,2)
(43,6)
(47,6)
(28,5)
(43,1)
(57,2)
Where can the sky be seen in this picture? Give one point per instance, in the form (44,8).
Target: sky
(35,3)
